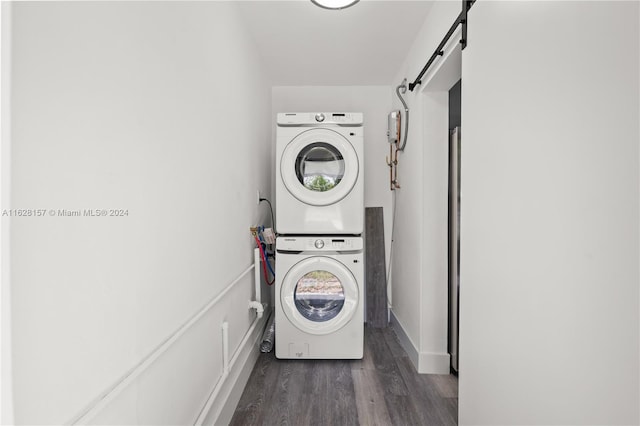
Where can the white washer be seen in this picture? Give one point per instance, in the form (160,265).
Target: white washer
(319,173)
(319,297)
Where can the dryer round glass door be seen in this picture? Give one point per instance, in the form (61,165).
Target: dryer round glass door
(319,295)
(319,167)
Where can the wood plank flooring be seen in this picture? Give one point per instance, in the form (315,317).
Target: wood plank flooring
(381,389)
(375,268)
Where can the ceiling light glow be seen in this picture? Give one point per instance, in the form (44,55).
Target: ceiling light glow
(334,4)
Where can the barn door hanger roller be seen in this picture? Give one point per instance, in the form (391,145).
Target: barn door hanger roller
(460,20)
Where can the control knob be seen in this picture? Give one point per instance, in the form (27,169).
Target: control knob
(319,244)
(319,118)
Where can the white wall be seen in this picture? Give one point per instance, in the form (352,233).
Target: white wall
(6,382)
(549,280)
(160,109)
(420,250)
(375,103)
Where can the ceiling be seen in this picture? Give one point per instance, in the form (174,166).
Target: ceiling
(304,45)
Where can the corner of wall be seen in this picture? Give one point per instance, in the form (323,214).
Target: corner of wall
(424,362)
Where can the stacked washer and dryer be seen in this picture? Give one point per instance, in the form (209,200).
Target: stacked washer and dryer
(319,249)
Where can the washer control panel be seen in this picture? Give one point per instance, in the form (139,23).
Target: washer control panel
(306,119)
(319,243)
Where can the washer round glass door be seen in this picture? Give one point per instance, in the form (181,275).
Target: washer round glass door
(319,295)
(319,167)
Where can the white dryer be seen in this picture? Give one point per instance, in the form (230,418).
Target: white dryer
(319,297)
(319,173)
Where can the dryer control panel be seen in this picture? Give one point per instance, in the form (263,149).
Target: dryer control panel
(319,243)
(305,119)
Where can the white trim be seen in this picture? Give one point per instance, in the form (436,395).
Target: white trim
(226,393)
(112,391)
(434,363)
(405,340)
(224,398)
(451,59)
(424,362)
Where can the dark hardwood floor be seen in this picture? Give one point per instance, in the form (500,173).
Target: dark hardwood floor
(381,389)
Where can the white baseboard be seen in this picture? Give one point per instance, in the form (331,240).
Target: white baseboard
(434,363)
(405,341)
(424,362)
(223,408)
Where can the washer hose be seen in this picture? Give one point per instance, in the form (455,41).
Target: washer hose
(403,87)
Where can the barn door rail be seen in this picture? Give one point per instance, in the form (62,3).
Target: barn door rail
(460,20)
